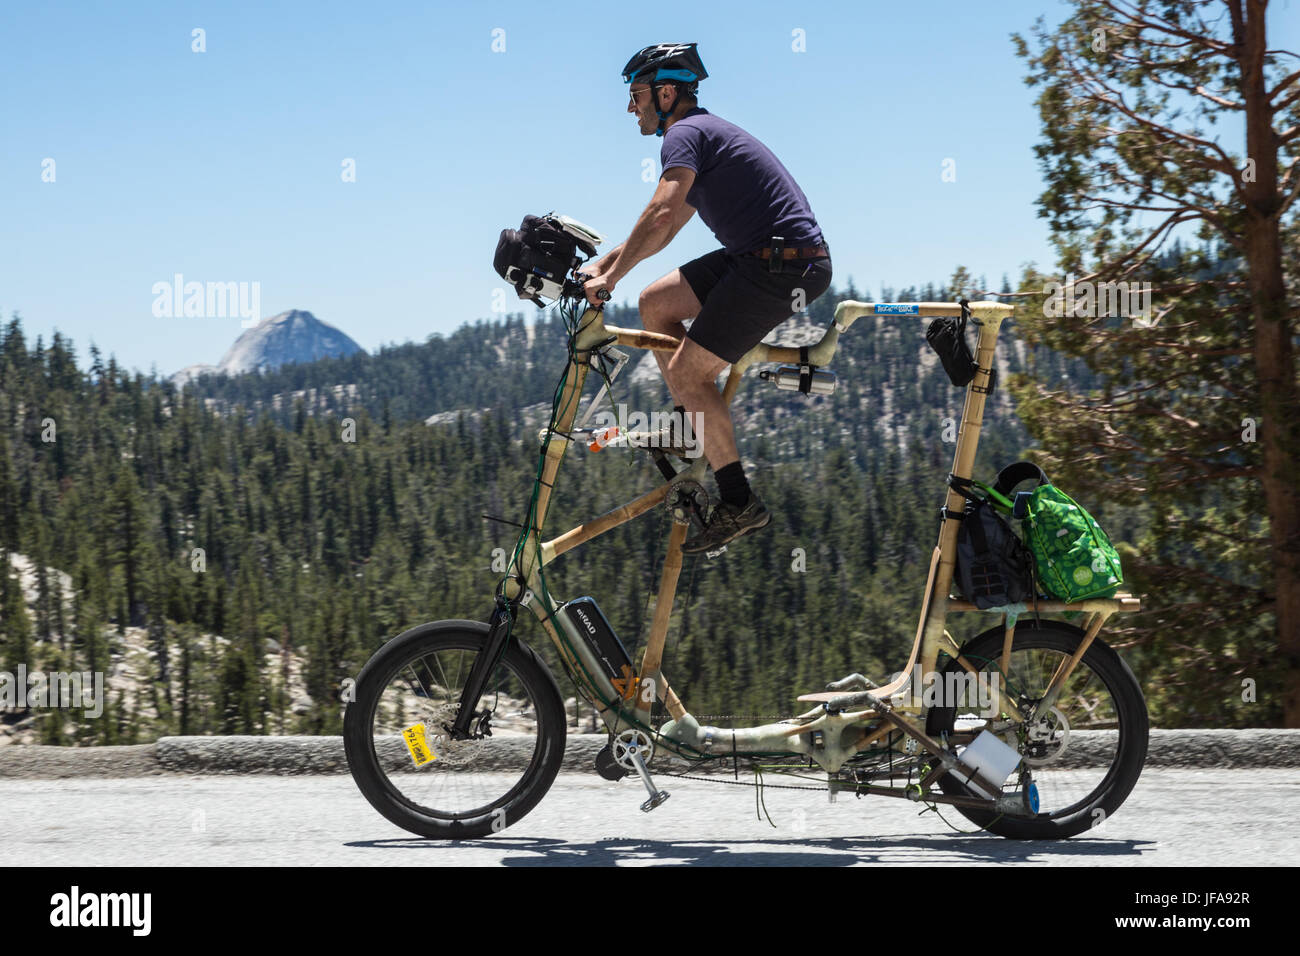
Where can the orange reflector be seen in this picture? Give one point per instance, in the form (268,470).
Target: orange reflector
(599,438)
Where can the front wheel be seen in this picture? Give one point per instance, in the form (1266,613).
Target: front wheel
(1084,757)
(395,732)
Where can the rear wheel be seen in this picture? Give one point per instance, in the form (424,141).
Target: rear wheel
(1084,757)
(408,695)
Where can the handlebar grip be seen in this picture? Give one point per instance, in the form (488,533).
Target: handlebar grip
(574,288)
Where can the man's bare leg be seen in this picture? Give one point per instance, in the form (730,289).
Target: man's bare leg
(663,305)
(693,371)
(692,375)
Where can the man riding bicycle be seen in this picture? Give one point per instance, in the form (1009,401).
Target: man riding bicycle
(774,261)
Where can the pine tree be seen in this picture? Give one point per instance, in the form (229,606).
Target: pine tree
(1127,98)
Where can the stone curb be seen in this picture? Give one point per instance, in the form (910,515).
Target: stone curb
(1201,749)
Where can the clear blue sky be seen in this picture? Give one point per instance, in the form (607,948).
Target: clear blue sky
(225,165)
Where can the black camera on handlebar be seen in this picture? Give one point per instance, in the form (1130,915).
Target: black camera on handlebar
(537,257)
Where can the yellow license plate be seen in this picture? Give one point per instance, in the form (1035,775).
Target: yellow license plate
(420,750)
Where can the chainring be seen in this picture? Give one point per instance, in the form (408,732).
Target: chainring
(688,503)
(629,743)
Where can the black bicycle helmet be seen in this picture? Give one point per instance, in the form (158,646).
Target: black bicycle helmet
(676,64)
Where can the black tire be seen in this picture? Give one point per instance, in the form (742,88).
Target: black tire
(1102,695)
(404,674)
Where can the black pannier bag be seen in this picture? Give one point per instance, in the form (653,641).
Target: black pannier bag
(994,567)
(536,257)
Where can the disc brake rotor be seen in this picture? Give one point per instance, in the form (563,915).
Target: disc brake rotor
(1046,739)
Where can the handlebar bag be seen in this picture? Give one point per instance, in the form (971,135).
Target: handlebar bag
(538,255)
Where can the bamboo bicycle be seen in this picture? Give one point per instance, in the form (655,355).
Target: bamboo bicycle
(1036,730)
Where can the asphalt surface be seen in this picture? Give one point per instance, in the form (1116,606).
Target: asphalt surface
(1174,817)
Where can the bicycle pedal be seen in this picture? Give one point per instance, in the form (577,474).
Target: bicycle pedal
(655,801)
(657,796)
(715,552)
(630,747)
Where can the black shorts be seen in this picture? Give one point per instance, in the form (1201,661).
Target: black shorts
(742,300)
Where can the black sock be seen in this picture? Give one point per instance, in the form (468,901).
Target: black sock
(732,484)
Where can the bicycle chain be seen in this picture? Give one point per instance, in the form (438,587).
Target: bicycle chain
(735,783)
(790,786)
(661,718)
(742,783)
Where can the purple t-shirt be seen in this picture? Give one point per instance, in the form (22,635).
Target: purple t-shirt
(741,190)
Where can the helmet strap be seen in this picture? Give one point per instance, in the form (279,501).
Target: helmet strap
(662,115)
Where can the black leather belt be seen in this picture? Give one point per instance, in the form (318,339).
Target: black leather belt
(802,252)
(777,254)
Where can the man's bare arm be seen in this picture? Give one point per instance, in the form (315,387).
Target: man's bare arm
(603,264)
(680,218)
(662,219)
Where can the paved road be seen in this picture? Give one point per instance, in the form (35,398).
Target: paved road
(1174,817)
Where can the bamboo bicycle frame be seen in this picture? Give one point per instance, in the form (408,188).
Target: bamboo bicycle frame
(842,724)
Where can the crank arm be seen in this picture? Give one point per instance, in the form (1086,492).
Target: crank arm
(657,796)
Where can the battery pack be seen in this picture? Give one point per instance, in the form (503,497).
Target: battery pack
(588,620)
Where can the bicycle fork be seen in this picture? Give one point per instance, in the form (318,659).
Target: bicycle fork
(484,664)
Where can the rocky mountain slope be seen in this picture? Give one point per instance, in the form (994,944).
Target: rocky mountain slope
(290,337)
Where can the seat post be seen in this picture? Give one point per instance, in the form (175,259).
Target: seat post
(988,321)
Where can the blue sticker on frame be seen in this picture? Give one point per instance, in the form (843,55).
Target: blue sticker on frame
(898,308)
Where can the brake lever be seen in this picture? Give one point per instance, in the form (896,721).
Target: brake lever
(581,277)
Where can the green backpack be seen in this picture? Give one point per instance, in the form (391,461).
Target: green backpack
(1074,558)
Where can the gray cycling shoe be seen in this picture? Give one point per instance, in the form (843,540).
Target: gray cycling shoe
(728,522)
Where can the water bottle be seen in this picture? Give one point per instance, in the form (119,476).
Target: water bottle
(787,377)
